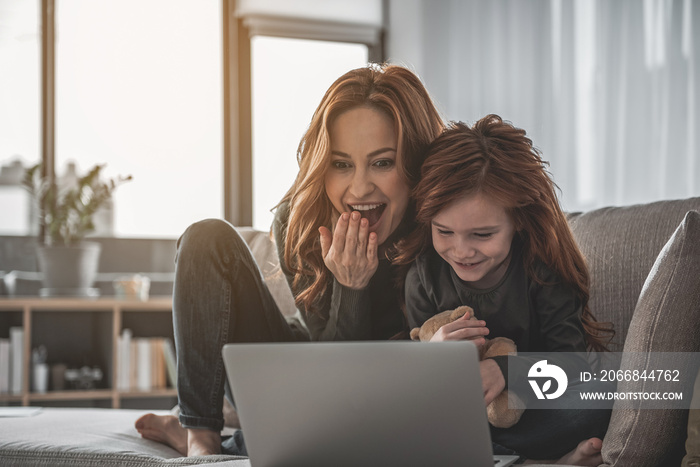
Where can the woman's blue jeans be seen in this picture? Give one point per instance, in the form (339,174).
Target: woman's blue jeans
(219,297)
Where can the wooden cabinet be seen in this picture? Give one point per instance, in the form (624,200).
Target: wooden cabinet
(85,332)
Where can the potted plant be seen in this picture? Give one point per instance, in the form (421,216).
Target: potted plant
(67,261)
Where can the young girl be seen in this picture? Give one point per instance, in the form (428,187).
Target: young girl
(491,235)
(358,162)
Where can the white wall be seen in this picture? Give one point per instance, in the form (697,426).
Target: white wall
(608,91)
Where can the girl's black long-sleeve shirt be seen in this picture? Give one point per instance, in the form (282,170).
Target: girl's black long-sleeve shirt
(539,316)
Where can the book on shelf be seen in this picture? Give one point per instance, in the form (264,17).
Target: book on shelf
(16,359)
(141,363)
(170,361)
(4,366)
(123,360)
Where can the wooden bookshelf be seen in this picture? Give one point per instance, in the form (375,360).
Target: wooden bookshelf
(89,326)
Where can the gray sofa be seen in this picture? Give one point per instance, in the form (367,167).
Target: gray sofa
(645,278)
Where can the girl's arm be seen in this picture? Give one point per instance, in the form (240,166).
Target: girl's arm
(420,307)
(492,381)
(557,314)
(344,313)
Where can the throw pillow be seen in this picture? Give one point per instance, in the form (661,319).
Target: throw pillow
(263,248)
(666,319)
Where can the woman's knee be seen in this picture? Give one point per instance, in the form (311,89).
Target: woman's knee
(211,234)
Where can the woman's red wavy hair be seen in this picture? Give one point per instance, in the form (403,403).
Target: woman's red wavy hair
(393,90)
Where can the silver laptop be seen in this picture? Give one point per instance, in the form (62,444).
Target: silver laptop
(361,404)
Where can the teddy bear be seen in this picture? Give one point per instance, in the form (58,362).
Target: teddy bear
(498,412)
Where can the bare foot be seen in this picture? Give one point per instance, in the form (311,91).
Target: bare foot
(587,453)
(165,429)
(202,442)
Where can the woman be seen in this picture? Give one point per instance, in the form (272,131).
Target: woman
(358,162)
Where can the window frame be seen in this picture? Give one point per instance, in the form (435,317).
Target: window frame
(48,95)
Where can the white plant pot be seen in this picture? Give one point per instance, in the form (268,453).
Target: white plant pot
(69,270)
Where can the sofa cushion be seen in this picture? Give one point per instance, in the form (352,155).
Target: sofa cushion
(620,245)
(59,437)
(264,250)
(665,320)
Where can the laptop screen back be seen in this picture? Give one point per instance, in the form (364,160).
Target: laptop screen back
(369,403)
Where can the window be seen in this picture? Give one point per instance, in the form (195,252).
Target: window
(139,88)
(20,108)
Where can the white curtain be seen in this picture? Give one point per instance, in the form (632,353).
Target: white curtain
(607,90)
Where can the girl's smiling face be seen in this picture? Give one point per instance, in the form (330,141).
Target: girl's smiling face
(363,174)
(474,235)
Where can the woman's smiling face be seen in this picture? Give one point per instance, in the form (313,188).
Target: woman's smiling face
(363,174)
(474,235)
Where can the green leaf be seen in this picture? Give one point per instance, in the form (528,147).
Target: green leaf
(67,213)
